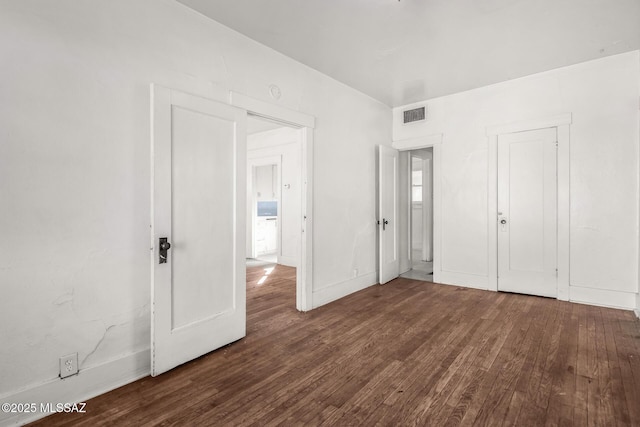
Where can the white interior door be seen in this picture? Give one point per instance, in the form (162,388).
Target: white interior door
(198,201)
(388,213)
(527,212)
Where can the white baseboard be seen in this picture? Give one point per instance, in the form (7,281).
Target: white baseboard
(461,279)
(89,382)
(331,293)
(602,298)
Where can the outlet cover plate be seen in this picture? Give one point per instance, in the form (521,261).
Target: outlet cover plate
(68,365)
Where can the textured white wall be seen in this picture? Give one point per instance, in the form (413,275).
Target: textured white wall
(602,96)
(74,168)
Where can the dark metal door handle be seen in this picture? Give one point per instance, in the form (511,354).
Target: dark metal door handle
(164,246)
(503,221)
(384,223)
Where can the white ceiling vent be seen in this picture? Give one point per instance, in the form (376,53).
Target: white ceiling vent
(414,115)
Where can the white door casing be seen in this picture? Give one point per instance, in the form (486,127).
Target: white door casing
(304,271)
(435,142)
(198,161)
(389,261)
(527,212)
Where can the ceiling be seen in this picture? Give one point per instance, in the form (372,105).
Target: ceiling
(404,51)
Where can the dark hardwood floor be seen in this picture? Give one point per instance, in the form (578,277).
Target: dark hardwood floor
(406,353)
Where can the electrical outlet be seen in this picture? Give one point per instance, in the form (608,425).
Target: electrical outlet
(68,365)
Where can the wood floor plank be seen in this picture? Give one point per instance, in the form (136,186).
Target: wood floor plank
(560,371)
(540,313)
(507,366)
(406,353)
(582,374)
(624,340)
(618,400)
(457,416)
(535,385)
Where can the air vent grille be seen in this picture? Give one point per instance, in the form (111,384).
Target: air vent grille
(415,115)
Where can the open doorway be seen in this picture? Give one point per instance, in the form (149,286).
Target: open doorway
(304,125)
(274,207)
(265,208)
(420,215)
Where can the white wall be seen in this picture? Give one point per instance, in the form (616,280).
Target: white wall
(285,144)
(74,176)
(602,97)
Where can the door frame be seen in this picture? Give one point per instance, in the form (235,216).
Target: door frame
(562,123)
(424,218)
(305,122)
(430,141)
(427,194)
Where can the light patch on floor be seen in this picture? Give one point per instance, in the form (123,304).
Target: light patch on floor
(267,272)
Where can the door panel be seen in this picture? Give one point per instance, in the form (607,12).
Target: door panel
(198,295)
(388,213)
(202,284)
(527,212)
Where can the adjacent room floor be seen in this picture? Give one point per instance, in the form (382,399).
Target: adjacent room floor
(405,353)
(420,270)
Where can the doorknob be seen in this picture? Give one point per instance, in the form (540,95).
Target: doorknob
(164,246)
(503,221)
(384,223)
